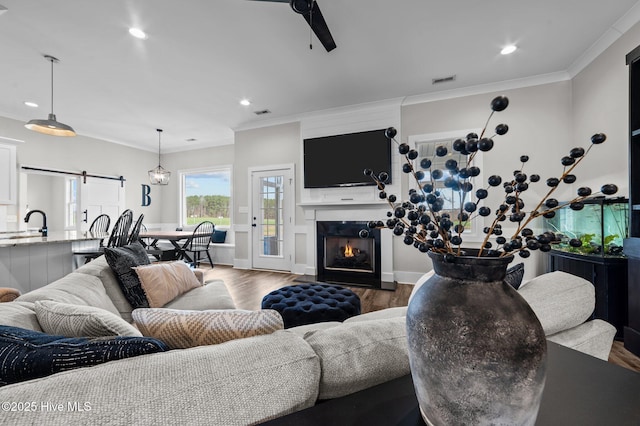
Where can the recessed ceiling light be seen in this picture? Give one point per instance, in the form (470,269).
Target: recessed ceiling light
(138,33)
(245,102)
(31,104)
(508,49)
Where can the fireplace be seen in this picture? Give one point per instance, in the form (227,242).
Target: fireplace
(343,257)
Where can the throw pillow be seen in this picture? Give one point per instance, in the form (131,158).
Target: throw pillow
(185,329)
(80,321)
(28,354)
(218,237)
(122,260)
(19,314)
(163,282)
(515,275)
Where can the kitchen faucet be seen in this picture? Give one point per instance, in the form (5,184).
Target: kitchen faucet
(44,229)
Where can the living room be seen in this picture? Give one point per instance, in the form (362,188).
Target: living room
(550,112)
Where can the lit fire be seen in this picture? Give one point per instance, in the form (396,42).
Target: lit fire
(348,250)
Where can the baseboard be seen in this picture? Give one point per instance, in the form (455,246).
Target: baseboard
(299,269)
(405,277)
(241,264)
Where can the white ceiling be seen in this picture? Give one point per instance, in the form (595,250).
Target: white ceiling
(202,57)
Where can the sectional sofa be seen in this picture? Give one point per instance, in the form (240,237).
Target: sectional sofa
(247,380)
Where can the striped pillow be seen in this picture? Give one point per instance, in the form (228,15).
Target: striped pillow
(186,329)
(80,321)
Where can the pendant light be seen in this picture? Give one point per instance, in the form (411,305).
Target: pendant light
(50,126)
(159,176)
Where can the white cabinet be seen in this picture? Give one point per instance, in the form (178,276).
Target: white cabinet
(8,176)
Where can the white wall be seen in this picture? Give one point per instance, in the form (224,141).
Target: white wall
(93,155)
(539,120)
(601,104)
(272,145)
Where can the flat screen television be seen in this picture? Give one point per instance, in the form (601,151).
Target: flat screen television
(340,160)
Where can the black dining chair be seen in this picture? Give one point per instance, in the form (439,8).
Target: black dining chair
(118,237)
(99,225)
(120,233)
(199,242)
(134,235)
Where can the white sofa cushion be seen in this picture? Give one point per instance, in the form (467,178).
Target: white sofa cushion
(76,289)
(593,337)
(19,314)
(100,268)
(240,382)
(359,355)
(560,300)
(397,312)
(81,321)
(212,295)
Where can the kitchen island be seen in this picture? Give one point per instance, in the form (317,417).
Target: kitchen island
(29,261)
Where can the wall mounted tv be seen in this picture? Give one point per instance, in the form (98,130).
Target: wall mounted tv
(338,161)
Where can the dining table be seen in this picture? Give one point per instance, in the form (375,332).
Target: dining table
(179,239)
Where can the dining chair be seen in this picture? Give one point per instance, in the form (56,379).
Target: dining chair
(99,225)
(118,237)
(134,235)
(199,242)
(120,232)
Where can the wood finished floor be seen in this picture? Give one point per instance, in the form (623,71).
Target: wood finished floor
(248,287)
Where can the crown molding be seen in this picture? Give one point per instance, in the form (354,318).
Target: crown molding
(480,89)
(617,30)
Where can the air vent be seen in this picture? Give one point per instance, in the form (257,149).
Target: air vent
(262,112)
(443,79)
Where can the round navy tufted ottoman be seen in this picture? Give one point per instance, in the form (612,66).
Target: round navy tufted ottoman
(311,303)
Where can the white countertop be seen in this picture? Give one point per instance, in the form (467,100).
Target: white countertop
(25,238)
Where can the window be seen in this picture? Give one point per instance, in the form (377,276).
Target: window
(206,196)
(71,203)
(426,146)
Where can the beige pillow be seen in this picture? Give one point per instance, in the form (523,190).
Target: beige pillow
(80,321)
(186,329)
(163,282)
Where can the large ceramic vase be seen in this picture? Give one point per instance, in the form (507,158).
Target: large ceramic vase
(477,350)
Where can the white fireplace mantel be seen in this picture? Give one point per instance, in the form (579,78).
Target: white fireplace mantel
(347,212)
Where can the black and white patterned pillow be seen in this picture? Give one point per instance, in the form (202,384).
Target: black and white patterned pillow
(515,275)
(122,260)
(27,354)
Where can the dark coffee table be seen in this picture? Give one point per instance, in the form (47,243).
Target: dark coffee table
(580,390)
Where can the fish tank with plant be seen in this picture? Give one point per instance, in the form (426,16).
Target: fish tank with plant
(596,230)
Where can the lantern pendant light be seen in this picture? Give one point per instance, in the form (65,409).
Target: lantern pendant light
(159,176)
(50,126)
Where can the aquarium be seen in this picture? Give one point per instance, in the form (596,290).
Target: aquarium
(596,230)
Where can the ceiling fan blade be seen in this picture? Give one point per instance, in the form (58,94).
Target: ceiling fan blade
(315,19)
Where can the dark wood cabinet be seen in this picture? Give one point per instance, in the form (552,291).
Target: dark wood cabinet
(632,244)
(609,277)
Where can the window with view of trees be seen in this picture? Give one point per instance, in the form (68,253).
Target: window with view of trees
(206,197)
